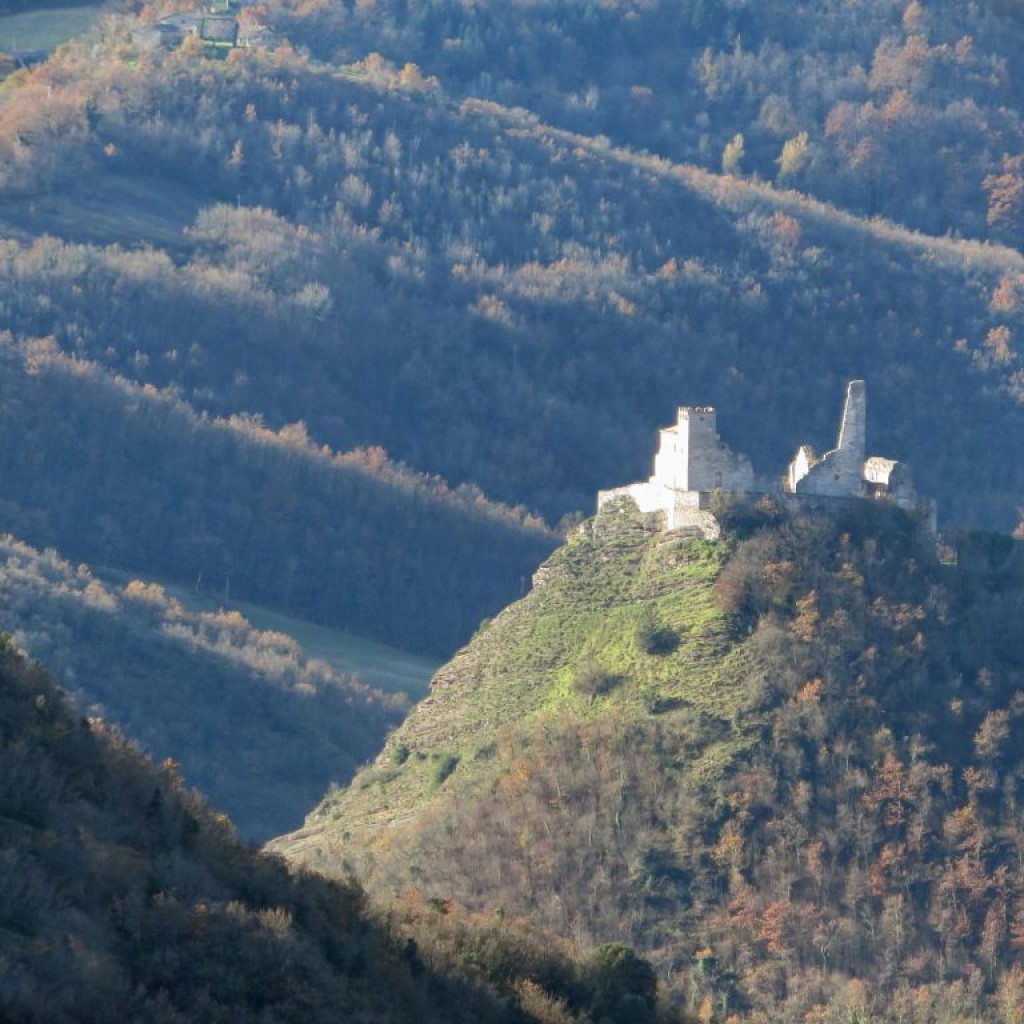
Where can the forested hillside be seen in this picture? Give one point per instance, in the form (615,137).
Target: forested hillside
(255,723)
(124,898)
(487,297)
(348,325)
(117,474)
(785,766)
(910,109)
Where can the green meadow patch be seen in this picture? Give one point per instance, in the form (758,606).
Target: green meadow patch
(43,29)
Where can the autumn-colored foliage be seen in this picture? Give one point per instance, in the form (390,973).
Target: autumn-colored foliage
(842,836)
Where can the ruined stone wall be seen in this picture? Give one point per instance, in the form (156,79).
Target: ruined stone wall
(692,463)
(670,461)
(853,428)
(840,472)
(648,496)
(800,466)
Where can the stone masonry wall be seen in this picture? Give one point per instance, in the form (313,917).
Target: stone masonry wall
(712,465)
(692,463)
(839,474)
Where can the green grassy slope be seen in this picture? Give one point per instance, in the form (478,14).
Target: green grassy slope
(44,29)
(109,211)
(378,665)
(523,671)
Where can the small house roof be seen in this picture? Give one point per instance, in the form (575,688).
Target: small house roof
(157,35)
(185,21)
(219,28)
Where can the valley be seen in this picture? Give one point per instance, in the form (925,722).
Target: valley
(383,667)
(261,724)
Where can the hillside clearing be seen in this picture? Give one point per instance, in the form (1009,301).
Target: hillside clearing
(375,664)
(43,30)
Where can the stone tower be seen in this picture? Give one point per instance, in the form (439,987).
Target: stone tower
(692,457)
(691,463)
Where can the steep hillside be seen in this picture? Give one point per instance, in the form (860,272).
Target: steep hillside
(785,765)
(255,723)
(551,654)
(124,898)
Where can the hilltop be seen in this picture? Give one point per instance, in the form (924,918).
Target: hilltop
(782,764)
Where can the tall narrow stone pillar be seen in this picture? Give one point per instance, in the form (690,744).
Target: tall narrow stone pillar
(852,431)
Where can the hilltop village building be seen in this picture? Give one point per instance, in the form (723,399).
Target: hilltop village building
(693,463)
(220,25)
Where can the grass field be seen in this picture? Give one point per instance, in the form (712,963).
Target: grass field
(43,30)
(105,209)
(377,664)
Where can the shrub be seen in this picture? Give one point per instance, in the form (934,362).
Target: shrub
(625,989)
(446,764)
(591,680)
(652,637)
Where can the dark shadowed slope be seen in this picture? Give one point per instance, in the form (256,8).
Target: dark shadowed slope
(117,474)
(255,723)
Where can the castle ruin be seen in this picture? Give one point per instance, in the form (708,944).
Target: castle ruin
(693,463)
